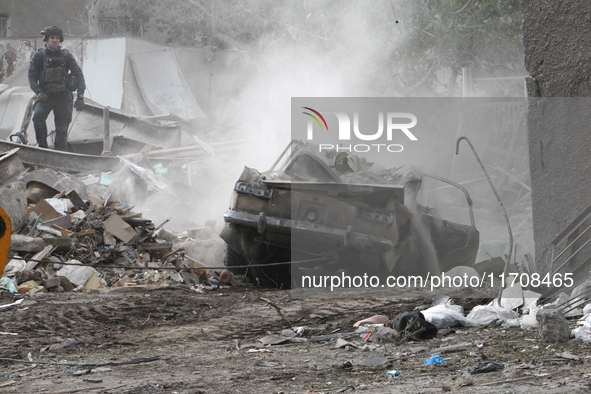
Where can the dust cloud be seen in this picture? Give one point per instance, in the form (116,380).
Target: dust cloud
(319,49)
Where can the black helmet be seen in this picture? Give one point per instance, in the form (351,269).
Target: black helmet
(52,31)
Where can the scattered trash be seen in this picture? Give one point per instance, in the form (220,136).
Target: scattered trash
(78,275)
(258,351)
(485,367)
(8,285)
(393,374)
(436,359)
(92,380)
(414,326)
(446,316)
(272,339)
(341,343)
(376,319)
(583,331)
(383,335)
(14,266)
(375,361)
(530,319)
(225,278)
(17,302)
(568,356)
(486,314)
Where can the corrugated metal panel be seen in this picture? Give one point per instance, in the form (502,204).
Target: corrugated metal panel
(13,107)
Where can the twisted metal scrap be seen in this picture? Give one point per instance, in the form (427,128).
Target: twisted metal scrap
(500,203)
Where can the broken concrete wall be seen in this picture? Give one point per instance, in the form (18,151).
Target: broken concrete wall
(557,39)
(210,75)
(14,54)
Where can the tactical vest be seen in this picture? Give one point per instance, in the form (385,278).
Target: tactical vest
(55,73)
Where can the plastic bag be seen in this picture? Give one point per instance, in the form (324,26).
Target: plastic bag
(485,314)
(8,284)
(584,331)
(437,359)
(445,316)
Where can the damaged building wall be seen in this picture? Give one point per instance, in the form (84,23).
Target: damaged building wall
(557,38)
(29,17)
(15,54)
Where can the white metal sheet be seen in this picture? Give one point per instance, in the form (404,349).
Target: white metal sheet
(162,85)
(13,109)
(103,66)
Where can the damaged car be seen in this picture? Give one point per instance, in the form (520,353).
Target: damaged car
(326,212)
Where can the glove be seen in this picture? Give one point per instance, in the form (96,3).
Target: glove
(79,103)
(41,97)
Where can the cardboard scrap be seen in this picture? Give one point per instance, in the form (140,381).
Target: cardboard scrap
(119,228)
(46,211)
(76,200)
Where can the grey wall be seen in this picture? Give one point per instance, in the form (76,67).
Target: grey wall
(29,17)
(557,43)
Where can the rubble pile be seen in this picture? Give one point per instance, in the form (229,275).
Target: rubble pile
(71,243)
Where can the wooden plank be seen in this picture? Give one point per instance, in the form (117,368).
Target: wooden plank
(203,145)
(39,256)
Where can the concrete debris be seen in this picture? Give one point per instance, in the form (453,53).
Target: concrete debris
(553,326)
(24,243)
(385,335)
(10,166)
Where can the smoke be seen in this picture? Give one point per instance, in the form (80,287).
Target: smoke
(319,49)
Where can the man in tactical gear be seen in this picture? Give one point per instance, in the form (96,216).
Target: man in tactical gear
(53,76)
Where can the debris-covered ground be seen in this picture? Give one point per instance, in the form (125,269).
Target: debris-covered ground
(176,341)
(98,296)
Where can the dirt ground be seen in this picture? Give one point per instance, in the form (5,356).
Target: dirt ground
(192,338)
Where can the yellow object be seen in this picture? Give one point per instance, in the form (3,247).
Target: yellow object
(5,230)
